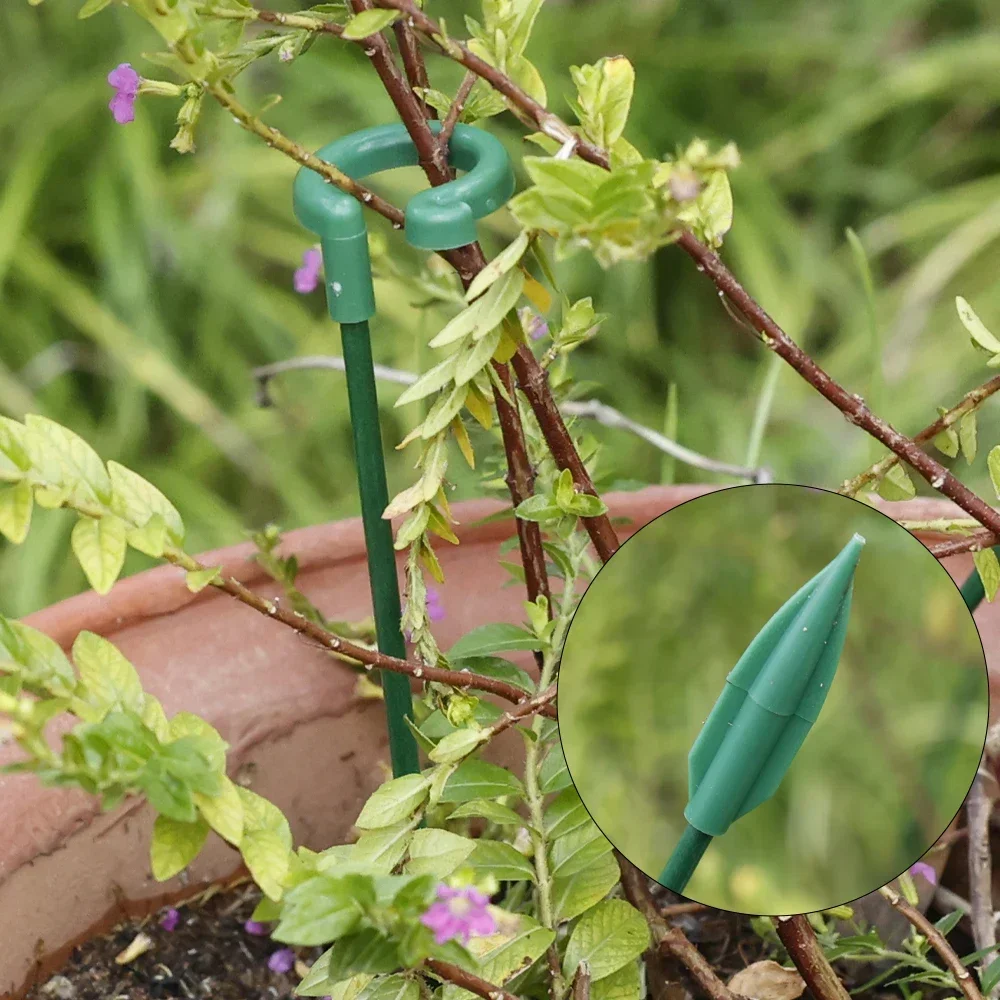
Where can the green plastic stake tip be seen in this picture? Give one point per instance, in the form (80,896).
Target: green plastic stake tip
(771,699)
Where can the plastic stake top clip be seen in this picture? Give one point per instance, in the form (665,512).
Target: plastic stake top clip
(440,218)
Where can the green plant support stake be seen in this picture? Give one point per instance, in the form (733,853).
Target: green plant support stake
(771,699)
(436,219)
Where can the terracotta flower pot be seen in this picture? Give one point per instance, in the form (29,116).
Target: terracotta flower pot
(299,734)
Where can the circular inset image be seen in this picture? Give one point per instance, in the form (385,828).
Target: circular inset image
(773,699)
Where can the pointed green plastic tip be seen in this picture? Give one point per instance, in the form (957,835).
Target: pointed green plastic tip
(771,699)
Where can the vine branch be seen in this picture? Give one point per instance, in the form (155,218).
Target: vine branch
(800,942)
(970,401)
(369,658)
(938,942)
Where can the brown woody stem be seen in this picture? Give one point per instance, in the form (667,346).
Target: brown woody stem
(800,942)
(966,404)
(963,977)
(458,976)
(670,939)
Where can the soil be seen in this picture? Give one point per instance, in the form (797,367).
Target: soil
(208,954)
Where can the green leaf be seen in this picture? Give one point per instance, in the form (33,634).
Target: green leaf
(432,380)
(577,893)
(981,337)
(317,982)
(100,545)
(152,538)
(397,987)
(503,862)
(494,812)
(175,845)
(366,951)
(395,800)
(92,7)
(267,842)
(323,908)
(989,571)
(111,681)
(604,96)
(621,985)
(896,485)
(383,849)
(967,435)
(65,460)
(476,357)
(438,852)
(457,745)
(586,505)
(198,579)
(223,811)
(993,464)
(368,22)
(516,954)
(479,779)
(36,659)
(500,265)
(990,977)
(565,814)
(501,637)
(607,937)
(578,850)
(946,442)
(135,501)
(16,503)
(498,667)
(486,312)
(715,206)
(445,408)
(553,775)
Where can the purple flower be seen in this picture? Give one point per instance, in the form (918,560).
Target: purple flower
(170,920)
(534,325)
(256,928)
(459,913)
(435,609)
(282,960)
(307,276)
(126,81)
(925,870)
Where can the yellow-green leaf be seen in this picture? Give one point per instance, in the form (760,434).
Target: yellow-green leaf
(896,485)
(223,811)
(198,579)
(100,544)
(92,7)
(175,845)
(967,435)
(989,571)
(110,680)
(500,265)
(393,801)
(368,22)
(16,503)
(981,337)
(267,842)
(993,464)
(135,500)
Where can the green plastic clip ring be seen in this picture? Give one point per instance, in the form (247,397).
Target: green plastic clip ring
(440,218)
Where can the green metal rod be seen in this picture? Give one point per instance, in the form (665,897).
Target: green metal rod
(972,590)
(363,402)
(684,860)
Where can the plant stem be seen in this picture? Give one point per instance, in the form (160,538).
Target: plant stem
(455,108)
(853,407)
(369,658)
(978,807)
(966,404)
(684,859)
(969,543)
(963,977)
(468,981)
(279,141)
(799,939)
(762,411)
(534,797)
(668,938)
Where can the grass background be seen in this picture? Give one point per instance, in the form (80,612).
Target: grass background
(138,287)
(892,754)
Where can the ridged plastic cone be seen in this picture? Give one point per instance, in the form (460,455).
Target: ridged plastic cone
(771,699)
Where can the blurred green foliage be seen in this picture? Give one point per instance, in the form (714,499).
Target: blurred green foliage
(139,287)
(883,770)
